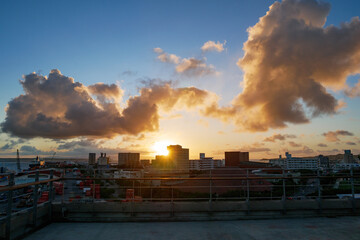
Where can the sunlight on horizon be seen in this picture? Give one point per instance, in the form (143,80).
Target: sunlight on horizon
(160,147)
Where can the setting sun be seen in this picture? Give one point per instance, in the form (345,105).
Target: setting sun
(160,147)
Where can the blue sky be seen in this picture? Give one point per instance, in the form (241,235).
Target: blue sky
(97,41)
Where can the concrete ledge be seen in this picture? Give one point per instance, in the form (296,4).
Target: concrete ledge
(190,211)
(22,222)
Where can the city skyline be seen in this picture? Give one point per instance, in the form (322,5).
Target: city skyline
(264,77)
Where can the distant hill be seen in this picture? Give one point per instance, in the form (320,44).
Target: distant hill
(332,158)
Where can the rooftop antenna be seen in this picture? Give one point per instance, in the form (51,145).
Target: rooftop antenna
(18,160)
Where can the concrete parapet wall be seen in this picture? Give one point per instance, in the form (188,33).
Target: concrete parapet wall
(185,211)
(22,222)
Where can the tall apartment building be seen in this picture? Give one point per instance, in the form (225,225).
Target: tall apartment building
(129,160)
(92,158)
(233,159)
(179,157)
(348,157)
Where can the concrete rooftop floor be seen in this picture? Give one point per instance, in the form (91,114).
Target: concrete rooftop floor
(299,228)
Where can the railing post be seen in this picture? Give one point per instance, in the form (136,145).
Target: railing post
(284,192)
(133,199)
(319,190)
(9,206)
(247,186)
(63,186)
(210,192)
(51,193)
(151,190)
(93,190)
(247,192)
(35,198)
(172,200)
(352,188)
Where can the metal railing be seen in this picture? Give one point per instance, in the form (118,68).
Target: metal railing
(99,185)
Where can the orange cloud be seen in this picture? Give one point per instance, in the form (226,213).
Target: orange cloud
(334,136)
(212,46)
(58,107)
(289,60)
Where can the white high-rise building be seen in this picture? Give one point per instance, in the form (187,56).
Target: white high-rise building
(293,163)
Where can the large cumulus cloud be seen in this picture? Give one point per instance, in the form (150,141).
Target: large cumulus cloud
(290,60)
(58,107)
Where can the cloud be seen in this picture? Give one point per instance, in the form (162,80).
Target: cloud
(139,137)
(31,150)
(322,145)
(194,67)
(304,150)
(129,73)
(333,136)
(106,92)
(10,145)
(212,46)
(191,67)
(354,91)
(77,143)
(165,57)
(280,137)
(289,60)
(57,107)
(294,144)
(351,143)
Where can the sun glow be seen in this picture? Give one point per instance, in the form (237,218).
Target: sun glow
(160,147)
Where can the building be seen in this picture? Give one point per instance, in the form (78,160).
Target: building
(129,160)
(348,162)
(179,157)
(324,162)
(294,163)
(277,162)
(348,157)
(176,160)
(145,162)
(233,159)
(103,160)
(204,163)
(92,158)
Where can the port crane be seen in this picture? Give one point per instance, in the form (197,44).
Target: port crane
(18,160)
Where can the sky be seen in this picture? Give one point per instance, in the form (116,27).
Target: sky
(112,76)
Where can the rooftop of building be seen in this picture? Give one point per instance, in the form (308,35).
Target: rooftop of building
(298,228)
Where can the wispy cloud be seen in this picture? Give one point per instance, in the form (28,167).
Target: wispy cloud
(322,145)
(280,137)
(191,67)
(334,136)
(212,46)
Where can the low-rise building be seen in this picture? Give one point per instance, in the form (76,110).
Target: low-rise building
(205,163)
(295,163)
(103,160)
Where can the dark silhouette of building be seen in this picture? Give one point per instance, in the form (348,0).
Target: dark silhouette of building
(233,159)
(129,160)
(92,158)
